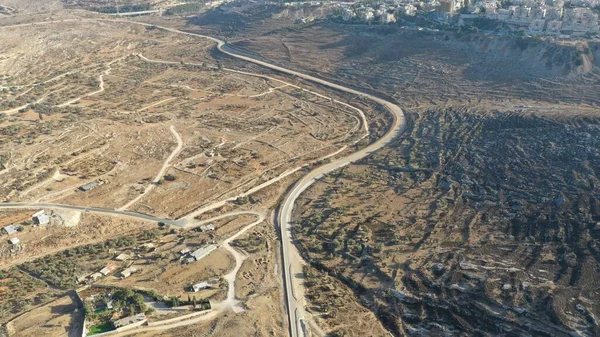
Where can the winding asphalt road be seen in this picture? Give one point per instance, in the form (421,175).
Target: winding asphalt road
(292,260)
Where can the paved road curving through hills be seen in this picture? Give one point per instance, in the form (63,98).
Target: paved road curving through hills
(292,261)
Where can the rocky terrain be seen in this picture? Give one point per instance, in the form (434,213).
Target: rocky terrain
(482,219)
(476,222)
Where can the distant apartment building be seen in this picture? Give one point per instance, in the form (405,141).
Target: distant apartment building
(445,8)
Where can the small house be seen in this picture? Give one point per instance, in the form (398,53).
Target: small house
(14,241)
(41,219)
(184,251)
(81,278)
(11,229)
(127,272)
(95,276)
(203,252)
(204,285)
(206,228)
(199,286)
(107,270)
(123,257)
(88,186)
(38,213)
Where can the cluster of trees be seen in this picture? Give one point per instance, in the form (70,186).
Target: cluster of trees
(124,300)
(121,9)
(15,296)
(202,304)
(192,7)
(55,269)
(251,243)
(170,177)
(60,269)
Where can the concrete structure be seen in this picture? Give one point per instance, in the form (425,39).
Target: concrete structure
(537,25)
(11,229)
(38,213)
(41,219)
(206,228)
(203,252)
(199,286)
(446,7)
(408,10)
(88,186)
(554,26)
(388,18)
(127,272)
(82,278)
(95,276)
(123,257)
(130,321)
(204,285)
(107,270)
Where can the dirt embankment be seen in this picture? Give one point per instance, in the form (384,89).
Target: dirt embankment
(541,58)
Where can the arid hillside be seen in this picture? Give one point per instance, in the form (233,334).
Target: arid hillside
(418,67)
(482,219)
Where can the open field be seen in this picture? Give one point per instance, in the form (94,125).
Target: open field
(114,112)
(58,318)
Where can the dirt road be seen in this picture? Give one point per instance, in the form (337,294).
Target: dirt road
(161,172)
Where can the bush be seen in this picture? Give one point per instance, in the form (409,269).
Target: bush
(185,8)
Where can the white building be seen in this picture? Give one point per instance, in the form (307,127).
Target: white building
(125,273)
(206,228)
(203,252)
(107,270)
(41,219)
(204,285)
(388,18)
(408,10)
(11,229)
(123,257)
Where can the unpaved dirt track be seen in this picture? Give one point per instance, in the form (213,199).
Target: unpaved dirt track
(161,172)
